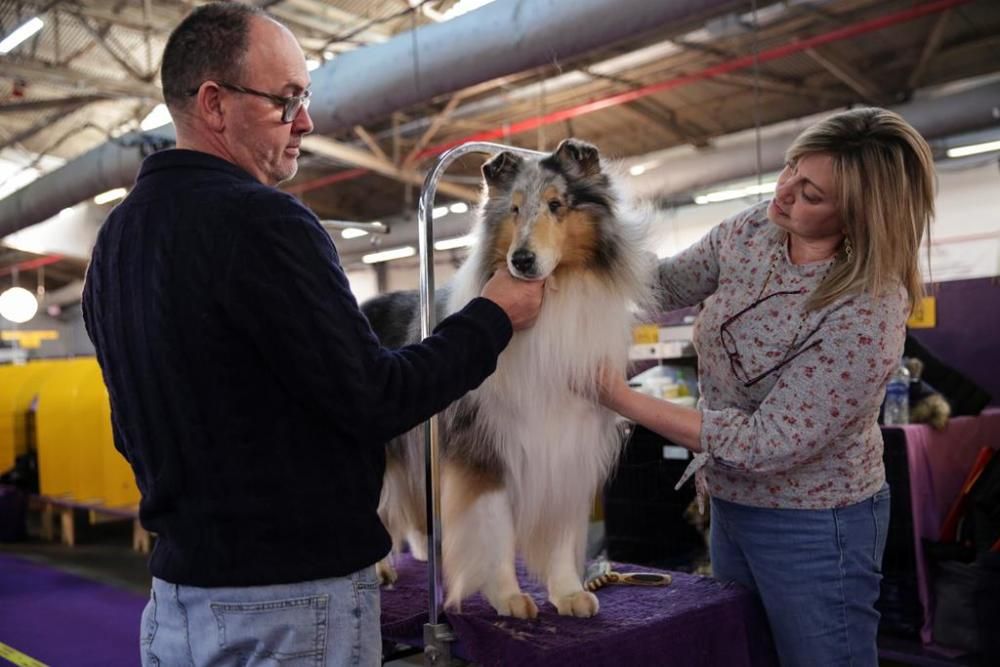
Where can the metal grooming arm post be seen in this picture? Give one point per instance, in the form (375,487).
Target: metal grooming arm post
(437,635)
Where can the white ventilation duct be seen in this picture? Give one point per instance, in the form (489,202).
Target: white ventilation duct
(502,38)
(679,171)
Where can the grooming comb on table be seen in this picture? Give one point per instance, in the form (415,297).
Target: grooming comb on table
(600,574)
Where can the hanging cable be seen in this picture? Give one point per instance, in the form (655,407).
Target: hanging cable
(756,96)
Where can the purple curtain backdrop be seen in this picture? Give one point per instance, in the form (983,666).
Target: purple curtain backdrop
(967,335)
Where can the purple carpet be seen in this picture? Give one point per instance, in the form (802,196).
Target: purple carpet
(61,619)
(694,622)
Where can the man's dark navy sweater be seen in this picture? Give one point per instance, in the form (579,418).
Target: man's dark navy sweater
(248,391)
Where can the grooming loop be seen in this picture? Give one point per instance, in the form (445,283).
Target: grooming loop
(437,635)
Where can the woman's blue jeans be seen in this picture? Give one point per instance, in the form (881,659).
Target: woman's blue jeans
(327,622)
(817,573)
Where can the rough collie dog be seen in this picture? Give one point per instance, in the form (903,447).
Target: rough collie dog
(525,452)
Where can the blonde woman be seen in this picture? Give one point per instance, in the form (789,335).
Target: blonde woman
(804,302)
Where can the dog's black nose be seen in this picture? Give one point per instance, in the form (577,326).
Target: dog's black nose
(523,260)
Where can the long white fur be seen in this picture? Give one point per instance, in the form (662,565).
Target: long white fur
(539,410)
(559,444)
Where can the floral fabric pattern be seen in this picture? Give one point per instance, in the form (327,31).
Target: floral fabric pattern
(806,434)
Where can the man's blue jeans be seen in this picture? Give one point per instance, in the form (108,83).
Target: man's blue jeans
(817,573)
(328,622)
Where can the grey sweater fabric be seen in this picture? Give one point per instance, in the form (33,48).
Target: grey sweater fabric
(805,435)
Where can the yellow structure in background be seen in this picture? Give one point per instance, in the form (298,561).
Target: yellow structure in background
(646,333)
(30,339)
(19,387)
(924,316)
(118,487)
(77,459)
(58,431)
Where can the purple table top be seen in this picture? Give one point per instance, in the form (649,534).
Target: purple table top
(694,621)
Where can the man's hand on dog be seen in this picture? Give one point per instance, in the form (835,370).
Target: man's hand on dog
(520,299)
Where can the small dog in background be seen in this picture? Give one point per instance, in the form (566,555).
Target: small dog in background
(927,406)
(524,454)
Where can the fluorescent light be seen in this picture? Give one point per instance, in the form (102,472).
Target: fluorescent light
(463,7)
(440,212)
(386,255)
(110,196)
(158,117)
(353,233)
(735,193)
(973,149)
(640,169)
(21,34)
(459,207)
(457,242)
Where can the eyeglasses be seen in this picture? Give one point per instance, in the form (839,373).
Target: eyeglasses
(290,105)
(729,344)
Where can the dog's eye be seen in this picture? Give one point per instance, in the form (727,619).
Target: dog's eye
(555,205)
(515,209)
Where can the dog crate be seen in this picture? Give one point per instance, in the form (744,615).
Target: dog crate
(645,520)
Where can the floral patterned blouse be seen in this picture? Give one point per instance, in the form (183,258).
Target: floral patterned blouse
(789,399)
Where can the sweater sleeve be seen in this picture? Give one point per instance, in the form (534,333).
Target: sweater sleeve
(692,275)
(821,394)
(286,292)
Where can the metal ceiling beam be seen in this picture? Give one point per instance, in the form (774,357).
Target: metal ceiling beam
(930,48)
(355,156)
(55,103)
(70,79)
(103,39)
(734,157)
(847,74)
(369,83)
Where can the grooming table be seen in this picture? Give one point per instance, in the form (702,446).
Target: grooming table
(695,621)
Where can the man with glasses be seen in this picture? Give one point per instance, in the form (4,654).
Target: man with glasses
(248,391)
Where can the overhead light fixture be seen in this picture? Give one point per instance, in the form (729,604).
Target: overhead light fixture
(459,207)
(353,233)
(18,305)
(459,8)
(457,242)
(158,117)
(735,193)
(24,32)
(973,149)
(386,255)
(440,212)
(640,169)
(110,196)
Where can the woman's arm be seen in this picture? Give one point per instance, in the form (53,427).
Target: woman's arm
(676,423)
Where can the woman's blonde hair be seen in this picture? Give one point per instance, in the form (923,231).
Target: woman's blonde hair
(884,174)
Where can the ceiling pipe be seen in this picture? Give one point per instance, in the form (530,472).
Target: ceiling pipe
(30,264)
(735,64)
(682,170)
(371,82)
(743,62)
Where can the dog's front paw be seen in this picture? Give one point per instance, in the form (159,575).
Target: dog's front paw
(519,605)
(386,573)
(581,604)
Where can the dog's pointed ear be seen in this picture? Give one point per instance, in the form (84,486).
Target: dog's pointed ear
(501,169)
(578,158)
